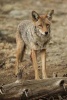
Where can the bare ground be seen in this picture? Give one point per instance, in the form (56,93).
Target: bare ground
(12,12)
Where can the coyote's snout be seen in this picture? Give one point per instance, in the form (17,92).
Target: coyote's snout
(35,34)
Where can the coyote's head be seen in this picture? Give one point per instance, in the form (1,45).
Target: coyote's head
(42,22)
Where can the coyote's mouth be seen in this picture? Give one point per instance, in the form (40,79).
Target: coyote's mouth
(43,33)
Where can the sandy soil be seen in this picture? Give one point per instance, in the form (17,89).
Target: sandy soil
(12,12)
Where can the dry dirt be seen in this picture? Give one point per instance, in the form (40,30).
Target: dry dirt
(12,12)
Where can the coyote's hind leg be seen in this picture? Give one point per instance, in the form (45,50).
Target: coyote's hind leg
(19,52)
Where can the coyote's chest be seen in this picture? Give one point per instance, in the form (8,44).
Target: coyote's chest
(32,37)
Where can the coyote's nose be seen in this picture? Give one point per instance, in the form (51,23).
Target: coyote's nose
(46,33)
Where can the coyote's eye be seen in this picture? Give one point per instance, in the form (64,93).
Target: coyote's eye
(47,25)
(40,25)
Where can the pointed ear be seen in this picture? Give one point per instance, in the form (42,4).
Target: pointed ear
(35,16)
(50,14)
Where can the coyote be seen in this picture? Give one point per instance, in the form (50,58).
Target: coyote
(35,34)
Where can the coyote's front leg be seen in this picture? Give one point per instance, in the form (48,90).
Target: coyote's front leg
(43,57)
(34,60)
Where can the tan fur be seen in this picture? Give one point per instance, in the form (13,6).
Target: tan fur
(43,58)
(23,38)
(34,60)
(19,51)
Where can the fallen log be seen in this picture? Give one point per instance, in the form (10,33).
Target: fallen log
(33,89)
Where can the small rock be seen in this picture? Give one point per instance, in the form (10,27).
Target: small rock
(7,8)
(2,45)
(18,13)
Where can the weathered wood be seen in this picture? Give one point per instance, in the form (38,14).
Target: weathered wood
(33,89)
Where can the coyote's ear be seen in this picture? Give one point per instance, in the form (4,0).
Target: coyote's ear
(50,14)
(35,16)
